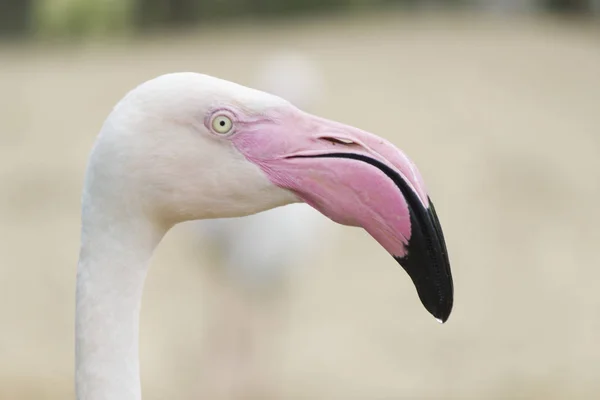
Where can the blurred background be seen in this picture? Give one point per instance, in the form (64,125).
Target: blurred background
(498,102)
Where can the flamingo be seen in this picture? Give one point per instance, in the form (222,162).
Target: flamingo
(255,255)
(187,146)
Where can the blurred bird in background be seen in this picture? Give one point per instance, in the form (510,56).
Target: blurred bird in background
(254,256)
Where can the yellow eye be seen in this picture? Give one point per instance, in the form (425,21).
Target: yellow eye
(222,124)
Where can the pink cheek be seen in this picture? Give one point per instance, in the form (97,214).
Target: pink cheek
(255,146)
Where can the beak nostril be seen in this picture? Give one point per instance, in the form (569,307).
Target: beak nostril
(336,140)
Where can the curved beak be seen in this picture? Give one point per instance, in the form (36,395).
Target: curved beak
(423,253)
(356,178)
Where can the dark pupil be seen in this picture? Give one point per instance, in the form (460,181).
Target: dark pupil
(222,123)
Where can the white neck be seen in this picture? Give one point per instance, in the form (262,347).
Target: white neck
(114,258)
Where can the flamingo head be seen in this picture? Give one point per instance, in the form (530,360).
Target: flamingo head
(188,146)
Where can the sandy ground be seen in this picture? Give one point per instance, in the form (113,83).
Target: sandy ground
(503,119)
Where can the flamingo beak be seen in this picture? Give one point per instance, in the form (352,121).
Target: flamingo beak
(422,252)
(356,178)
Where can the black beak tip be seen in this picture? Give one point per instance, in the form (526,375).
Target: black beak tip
(426,262)
(436,295)
(440,309)
(434,287)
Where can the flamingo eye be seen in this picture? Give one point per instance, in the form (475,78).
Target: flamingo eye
(222,124)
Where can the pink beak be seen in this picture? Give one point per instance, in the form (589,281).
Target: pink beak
(356,178)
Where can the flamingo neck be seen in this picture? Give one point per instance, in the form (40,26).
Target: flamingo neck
(114,257)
